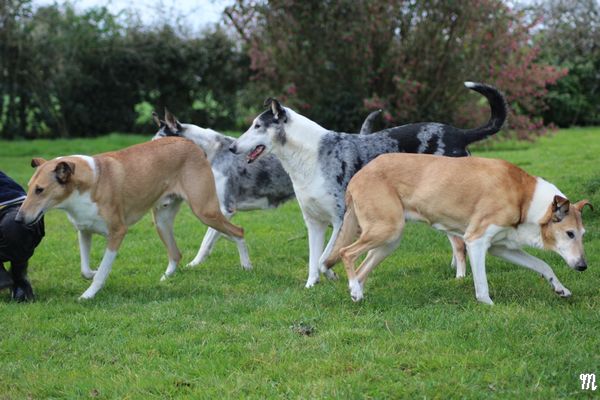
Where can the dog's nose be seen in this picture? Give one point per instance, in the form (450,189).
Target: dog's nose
(19,217)
(581,265)
(233,148)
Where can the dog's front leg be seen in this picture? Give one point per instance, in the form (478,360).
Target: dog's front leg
(477,249)
(316,238)
(114,242)
(85,243)
(210,238)
(328,272)
(519,257)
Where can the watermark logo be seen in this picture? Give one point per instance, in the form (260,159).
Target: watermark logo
(588,381)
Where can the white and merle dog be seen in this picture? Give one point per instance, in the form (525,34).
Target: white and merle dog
(241,186)
(321,162)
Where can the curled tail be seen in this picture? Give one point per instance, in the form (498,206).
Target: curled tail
(367,126)
(348,233)
(499,111)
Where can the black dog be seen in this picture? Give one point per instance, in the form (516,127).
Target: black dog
(17,241)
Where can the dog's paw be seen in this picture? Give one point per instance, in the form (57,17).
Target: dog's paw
(86,296)
(331,275)
(247,266)
(563,292)
(197,261)
(356,291)
(88,275)
(22,292)
(312,281)
(485,300)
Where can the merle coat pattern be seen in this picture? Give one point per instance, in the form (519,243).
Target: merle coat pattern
(321,162)
(241,186)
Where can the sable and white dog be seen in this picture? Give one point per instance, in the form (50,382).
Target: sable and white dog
(493,205)
(241,186)
(321,162)
(107,193)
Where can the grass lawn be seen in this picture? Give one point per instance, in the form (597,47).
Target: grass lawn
(219,331)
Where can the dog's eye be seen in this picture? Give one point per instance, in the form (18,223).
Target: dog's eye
(38,190)
(256,126)
(571,234)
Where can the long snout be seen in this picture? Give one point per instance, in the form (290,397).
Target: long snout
(581,265)
(19,217)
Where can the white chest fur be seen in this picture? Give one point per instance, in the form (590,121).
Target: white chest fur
(83,213)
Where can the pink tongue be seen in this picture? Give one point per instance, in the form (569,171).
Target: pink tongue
(255,152)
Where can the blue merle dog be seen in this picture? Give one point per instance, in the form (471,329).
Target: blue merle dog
(240,186)
(321,162)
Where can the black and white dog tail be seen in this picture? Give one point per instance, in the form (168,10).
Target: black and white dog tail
(367,126)
(499,111)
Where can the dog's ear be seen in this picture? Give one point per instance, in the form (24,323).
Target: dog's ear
(580,204)
(560,208)
(37,161)
(172,122)
(157,120)
(276,108)
(63,171)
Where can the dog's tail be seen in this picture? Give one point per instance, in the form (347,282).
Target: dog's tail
(367,126)
(348,233)
(499,111)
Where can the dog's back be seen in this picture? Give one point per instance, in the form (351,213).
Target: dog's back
(139,175)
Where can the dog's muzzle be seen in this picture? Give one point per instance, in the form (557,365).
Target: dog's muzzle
(581,265)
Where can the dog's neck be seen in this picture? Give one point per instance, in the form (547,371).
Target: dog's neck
(298,151)
(541,201)
(210,141)
(529,233)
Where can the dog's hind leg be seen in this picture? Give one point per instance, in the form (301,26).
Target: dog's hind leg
(208,242)
(164,215)
(200,193)
(210,239)
(459,260)
(378,249)
(519,257)
(85,243)
(115,238)
(380,235)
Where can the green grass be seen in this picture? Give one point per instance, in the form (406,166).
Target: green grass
(219,331)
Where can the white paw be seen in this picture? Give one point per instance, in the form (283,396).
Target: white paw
(460,274)
(164,277)
(312,281)
(356,292)
(562,292)
(88,275)
(87,295)
(330,274)
(485,300)
(247,266)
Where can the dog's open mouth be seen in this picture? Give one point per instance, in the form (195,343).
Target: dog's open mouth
(253,155)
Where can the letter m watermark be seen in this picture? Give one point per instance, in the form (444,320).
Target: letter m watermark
(588,381)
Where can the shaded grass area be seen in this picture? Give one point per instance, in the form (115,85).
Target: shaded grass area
(219,331)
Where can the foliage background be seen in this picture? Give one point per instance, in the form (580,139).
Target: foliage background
(69,73)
